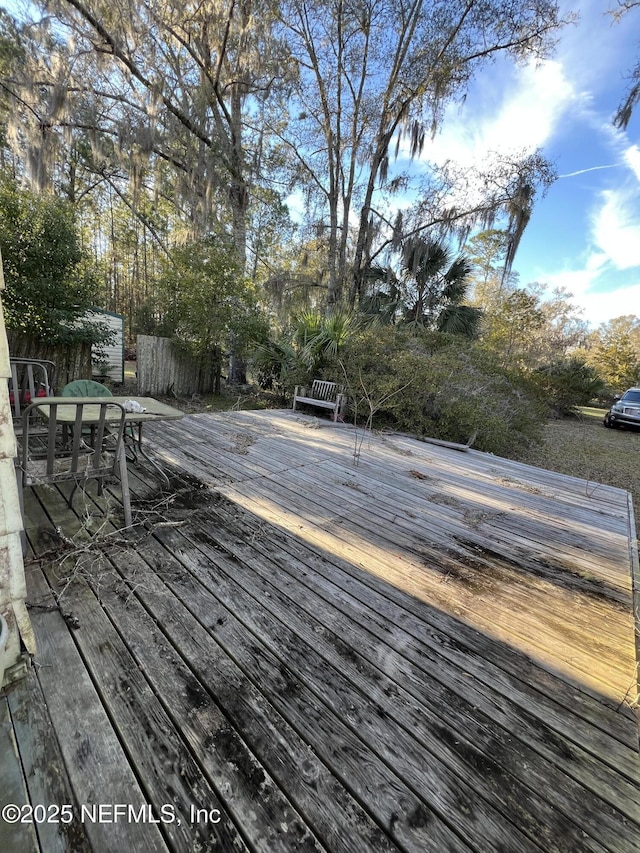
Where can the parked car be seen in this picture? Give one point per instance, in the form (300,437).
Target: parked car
(625,411)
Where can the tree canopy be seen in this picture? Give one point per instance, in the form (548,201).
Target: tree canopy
(237,170)
(205,118)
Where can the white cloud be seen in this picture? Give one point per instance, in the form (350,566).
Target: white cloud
(615,229)
(589,242)
(632,159)
(576,281)
(596,261)
(530,113)
(600,307)
(519,113)
(603,285)
(597,306)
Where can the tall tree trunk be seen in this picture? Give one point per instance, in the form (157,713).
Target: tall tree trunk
(361,254)
(239,200)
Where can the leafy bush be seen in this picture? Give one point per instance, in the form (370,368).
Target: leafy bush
(45,295)
(201,291)
(306,351)
(319,339)
(568,383)
(440,386)
(278,366)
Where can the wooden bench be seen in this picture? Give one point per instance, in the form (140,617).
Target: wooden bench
(324,395)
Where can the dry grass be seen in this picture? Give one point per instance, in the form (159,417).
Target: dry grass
(583,447)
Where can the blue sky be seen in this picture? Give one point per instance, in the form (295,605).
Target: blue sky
(585,234)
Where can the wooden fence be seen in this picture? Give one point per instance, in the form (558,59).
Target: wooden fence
(72,362)
(163,369)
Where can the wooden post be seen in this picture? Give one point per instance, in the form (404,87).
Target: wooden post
(12,581)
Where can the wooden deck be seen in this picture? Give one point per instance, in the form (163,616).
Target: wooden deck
(430,650)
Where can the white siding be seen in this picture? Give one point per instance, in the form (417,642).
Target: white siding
(114,352)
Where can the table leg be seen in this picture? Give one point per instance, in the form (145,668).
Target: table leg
(124,485)
(136,447)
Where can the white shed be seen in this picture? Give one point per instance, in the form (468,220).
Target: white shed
(113,364)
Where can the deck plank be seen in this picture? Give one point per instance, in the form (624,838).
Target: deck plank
(44,770)
(97,767)
(172,781)
(470,532)
(426,635)
(487,604)
(334,654)
(14,835)
(333,815)
(454,743)
(615,670)
(250,798)
(402,656)
(596,777)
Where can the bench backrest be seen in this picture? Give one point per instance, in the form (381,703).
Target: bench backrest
(321,390)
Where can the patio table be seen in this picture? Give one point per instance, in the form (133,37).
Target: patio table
(155,410)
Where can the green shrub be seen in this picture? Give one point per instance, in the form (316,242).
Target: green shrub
(278,366)
(440,386)
(46,296)
(306,351)
(568,383)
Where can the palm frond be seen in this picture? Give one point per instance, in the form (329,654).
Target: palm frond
(459,320)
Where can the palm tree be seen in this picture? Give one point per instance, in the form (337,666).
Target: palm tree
(429,290)
(381,300)
(318,338)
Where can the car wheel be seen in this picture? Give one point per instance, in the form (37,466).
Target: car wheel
(607,421)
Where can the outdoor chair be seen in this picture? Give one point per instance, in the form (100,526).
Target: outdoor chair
(85,388)
(30,379)
(52,449)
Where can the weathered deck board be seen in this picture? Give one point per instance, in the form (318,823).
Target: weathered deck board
(306,489)
(254,799)
(44,769)
(265,654)
(353,588)
(329,799)
(597,777)
(439,491)
(326,802)
(144,728)
(510,613)
(303,679)
(97,766)
(473,508)
(402,655)
(422,528)
(588,519)
(466,748)
(13,835)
